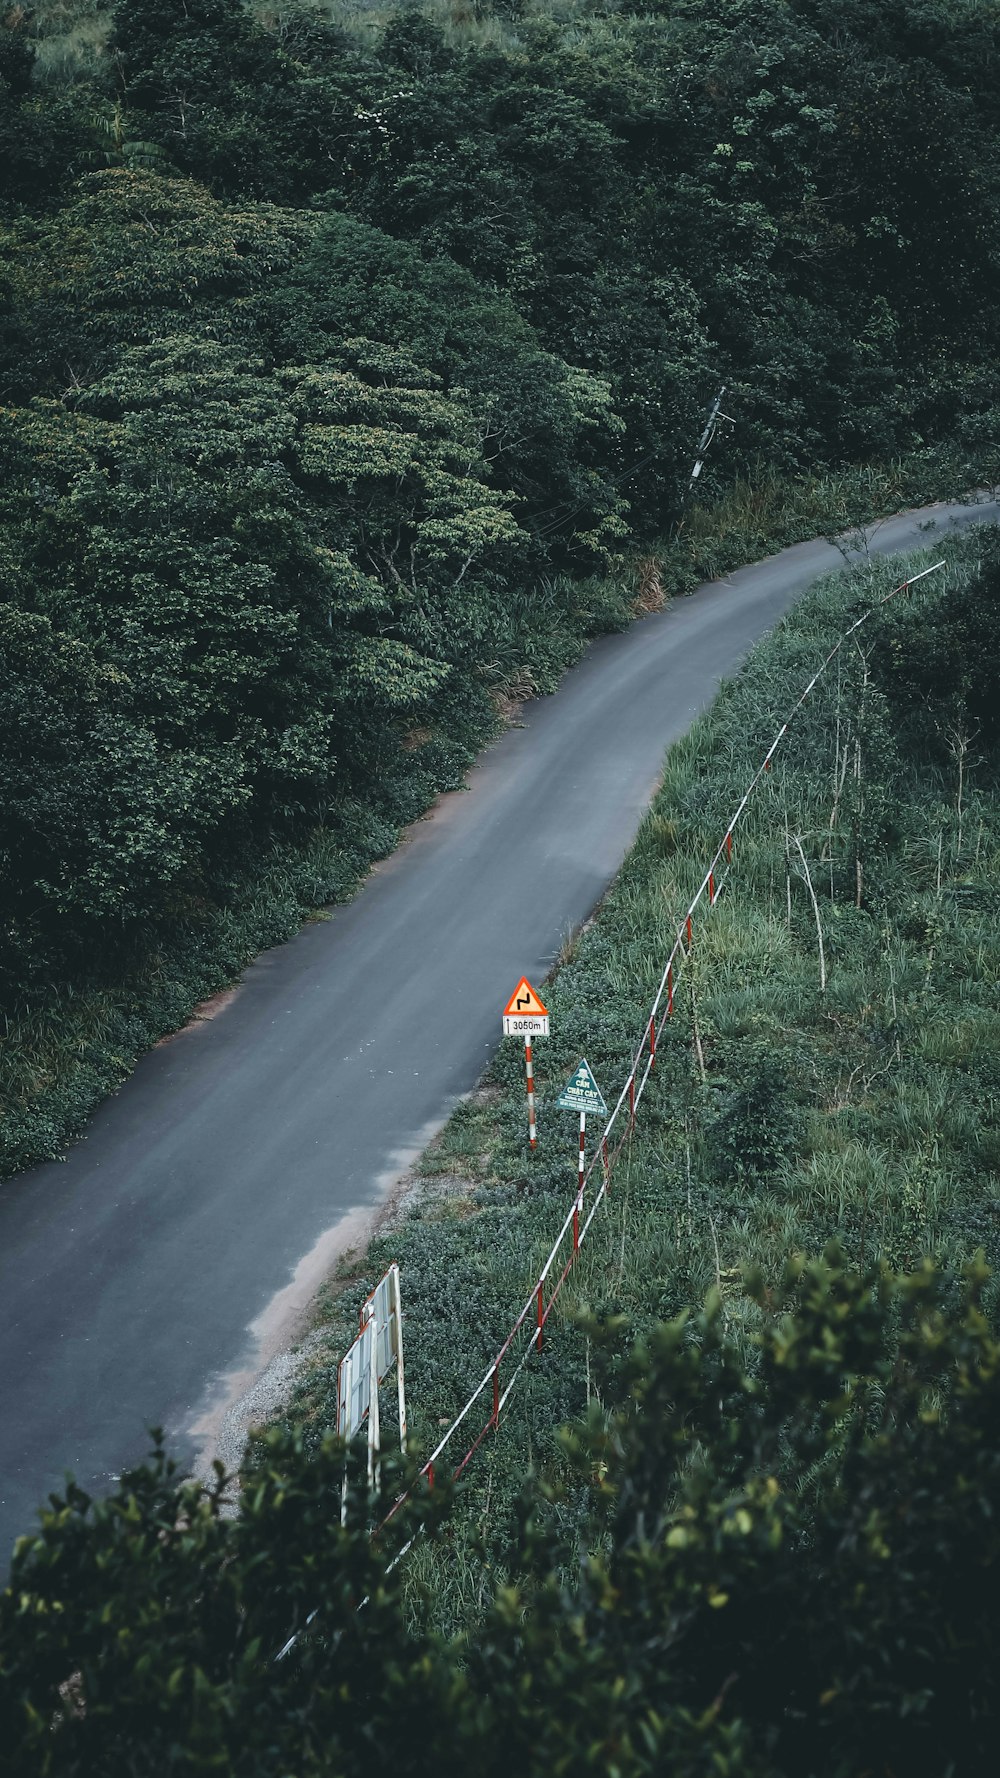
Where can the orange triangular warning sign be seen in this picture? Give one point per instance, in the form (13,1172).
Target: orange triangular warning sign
(525,1001)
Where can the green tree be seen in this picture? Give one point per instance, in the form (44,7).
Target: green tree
(98,818)
(129,255)
(246,109)
(37,140)
(549,434)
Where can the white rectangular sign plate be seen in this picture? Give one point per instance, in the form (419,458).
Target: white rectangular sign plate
(525,1024)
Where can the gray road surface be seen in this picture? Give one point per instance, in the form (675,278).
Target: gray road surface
(148,1277)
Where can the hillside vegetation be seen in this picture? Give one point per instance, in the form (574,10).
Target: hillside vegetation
(352,369)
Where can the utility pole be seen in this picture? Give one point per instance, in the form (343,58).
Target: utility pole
(707,436)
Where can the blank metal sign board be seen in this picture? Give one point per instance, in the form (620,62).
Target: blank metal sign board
(379,1318)
(354,1385)
(524,1015)
(380,1308)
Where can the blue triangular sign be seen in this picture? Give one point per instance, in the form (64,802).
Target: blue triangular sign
(582,1093)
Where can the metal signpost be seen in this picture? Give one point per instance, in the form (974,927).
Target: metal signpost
(581,1093)
(367,1363)
(525,1016)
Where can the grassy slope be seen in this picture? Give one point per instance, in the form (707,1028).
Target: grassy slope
(868,1111)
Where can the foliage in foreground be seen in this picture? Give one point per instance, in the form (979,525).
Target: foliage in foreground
(790,1568)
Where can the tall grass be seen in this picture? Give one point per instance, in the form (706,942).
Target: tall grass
(70,39)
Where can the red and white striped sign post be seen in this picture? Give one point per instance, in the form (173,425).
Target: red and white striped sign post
(525,1016)
(529,1075)
(579,1183)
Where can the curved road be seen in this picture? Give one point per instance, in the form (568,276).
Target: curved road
(149,1277)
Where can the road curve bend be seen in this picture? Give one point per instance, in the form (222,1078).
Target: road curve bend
(151,1274)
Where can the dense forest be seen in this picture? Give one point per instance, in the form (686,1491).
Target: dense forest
(350,362)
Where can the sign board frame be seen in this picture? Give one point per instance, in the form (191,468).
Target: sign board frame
(368,1361)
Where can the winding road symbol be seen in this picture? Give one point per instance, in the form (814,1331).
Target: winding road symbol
(524,1000)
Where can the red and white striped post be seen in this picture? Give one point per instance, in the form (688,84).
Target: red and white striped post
(530,1078)
(579,1183)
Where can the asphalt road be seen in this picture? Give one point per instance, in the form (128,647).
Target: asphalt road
(147,1278)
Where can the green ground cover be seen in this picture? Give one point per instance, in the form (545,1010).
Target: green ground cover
(782,1113)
